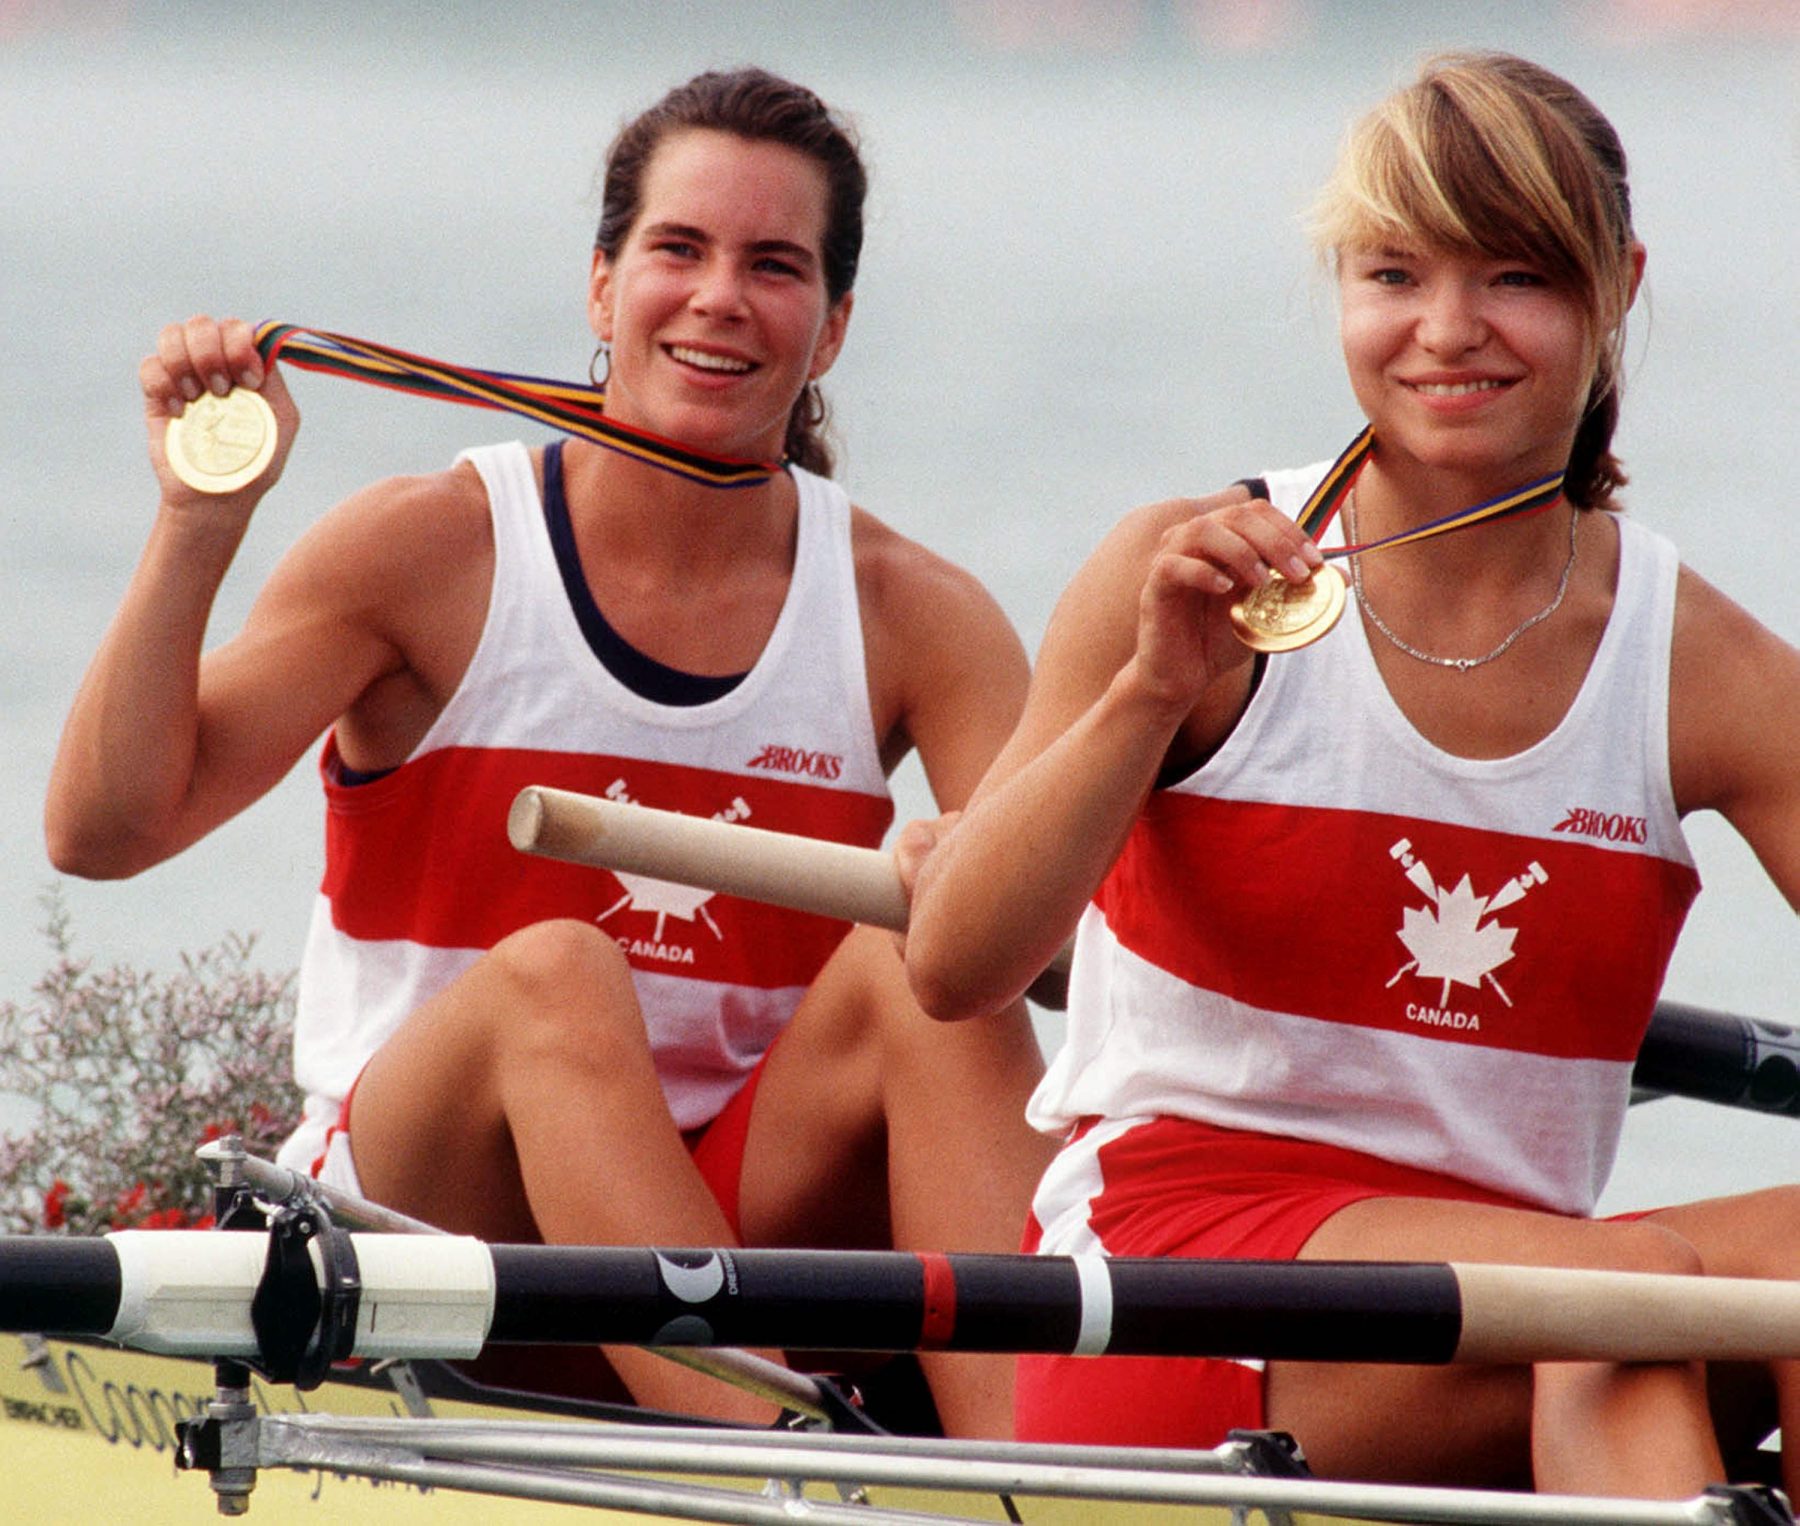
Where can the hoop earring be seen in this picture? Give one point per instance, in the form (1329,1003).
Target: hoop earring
(812,402)
(600,381)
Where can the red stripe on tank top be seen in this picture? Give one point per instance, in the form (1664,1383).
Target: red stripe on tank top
(422,854)
(1389,922)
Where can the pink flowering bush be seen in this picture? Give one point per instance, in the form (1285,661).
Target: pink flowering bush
(126,1073)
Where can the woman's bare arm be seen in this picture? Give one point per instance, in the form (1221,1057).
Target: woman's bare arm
(1139,662)
(1734,726)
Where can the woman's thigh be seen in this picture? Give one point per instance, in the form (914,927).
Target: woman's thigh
(437,1114)
(814,1169)
(1751,1234)
(1456,1423)
(869,1113)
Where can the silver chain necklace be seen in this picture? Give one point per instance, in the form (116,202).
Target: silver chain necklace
(1461,664)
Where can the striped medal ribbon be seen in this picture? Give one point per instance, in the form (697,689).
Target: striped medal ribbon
(1280,616)
(1328,497)
(573,407)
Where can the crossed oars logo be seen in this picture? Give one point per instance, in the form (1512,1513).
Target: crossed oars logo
(1447,939)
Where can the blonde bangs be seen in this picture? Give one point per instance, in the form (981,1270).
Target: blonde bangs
(1452,164)
(1384,194)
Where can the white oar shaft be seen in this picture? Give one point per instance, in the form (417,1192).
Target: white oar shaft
(804,873)
(1533,1313)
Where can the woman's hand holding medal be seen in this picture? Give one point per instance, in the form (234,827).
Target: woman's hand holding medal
(220,420)
(1206,569)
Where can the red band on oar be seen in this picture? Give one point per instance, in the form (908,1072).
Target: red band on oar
(938,1326)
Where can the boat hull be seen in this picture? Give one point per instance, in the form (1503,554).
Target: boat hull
(87,1433)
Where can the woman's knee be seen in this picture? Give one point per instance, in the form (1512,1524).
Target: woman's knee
(861,993)
(560,980)
(865,992)
(552,959)
(871,958)
(1752,1234)
(1642,1245)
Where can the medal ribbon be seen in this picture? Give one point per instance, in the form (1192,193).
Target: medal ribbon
(1328,497)
(573,407)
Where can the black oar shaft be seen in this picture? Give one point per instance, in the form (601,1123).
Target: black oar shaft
(1716,1057)
(896,1301)
(800,1300)
(54,1285)
(1302,1311)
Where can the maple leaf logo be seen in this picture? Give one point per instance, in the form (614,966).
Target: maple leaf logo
(1449,943)
(1452,945)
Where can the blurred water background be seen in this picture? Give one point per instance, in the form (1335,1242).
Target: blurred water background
(1084,287)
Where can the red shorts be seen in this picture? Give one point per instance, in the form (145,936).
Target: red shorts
(717,1147)
(1175,1187)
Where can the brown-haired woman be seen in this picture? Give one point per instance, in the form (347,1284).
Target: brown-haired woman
(625,1063)
(1370,930)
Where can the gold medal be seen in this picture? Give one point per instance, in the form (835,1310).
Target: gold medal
(220,444)
(1281,616)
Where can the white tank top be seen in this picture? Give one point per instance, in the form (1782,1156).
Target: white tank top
(1336,931)
(420,878)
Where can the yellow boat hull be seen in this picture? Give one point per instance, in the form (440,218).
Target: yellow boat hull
(87,1434)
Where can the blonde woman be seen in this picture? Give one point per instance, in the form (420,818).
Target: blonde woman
(1370,929)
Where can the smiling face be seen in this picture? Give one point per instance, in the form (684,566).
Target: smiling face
(715,305)
(1464,362)
(1479,222)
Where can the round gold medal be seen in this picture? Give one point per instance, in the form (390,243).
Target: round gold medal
(1281,616)
(220,444)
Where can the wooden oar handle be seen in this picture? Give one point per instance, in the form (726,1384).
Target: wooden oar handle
(803,873)
(1533,1313)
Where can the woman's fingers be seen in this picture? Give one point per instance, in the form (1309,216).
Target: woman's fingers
(915,842)
(1244,542)
(203,344)
(199,356)
(1201,565)
(210,356)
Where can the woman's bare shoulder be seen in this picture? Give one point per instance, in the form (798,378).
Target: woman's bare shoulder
(402,527)
(1733,686)
(900,581)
